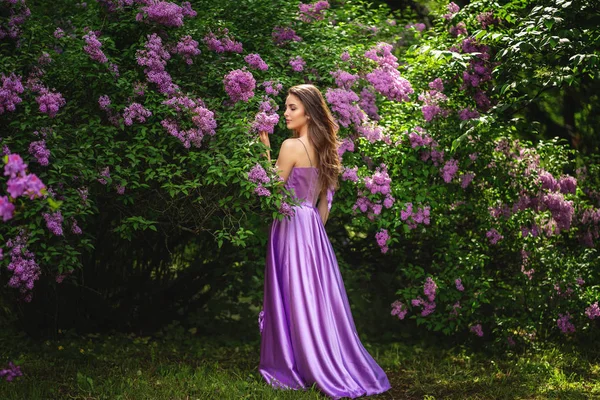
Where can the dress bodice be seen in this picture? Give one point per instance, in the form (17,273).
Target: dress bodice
(305,182)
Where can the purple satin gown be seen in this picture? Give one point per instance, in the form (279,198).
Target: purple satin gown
(307,330)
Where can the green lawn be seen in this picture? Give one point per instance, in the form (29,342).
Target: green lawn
(192,367)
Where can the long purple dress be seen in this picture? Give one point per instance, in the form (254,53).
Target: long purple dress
(308,333)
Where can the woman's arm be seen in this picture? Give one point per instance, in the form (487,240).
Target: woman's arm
(324,206)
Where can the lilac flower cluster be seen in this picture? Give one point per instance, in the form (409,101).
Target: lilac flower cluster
(372,208)
(458,29)
(452,10)
(368,104)
(261,321)
(105,173)
(428,305)
(345,56)
(297,63)
(92,47)
(104,102)
(412,218)
(399,309)
(379,182)
(7,209)
(54,222)
(343,103)
(371,131)
(564,324)
(476,329)
(465,179)
(487,19)
(419,26)
(282,35)
(40,152)
(9,92)
(11,372)
(593,311)
(561,209)
(312,12)
(459,285)
(382,238)
(272,88)
(20,183)
(419,138)
(350,174)
(166,13)
(449,170)
(286,209)
(494,236)
(239,85)
(23,266)
(432,99)
(135,111)
(19,12)
(50,102)
(344,79)
(75,229)
(255,61)
(386,78)
(267,117)
(347,144)
(44,59)
(466,114)
(567,184)
(154,57)
(525,257)
(202,118)
(225,43)
(59,33)
(187,48)
(259,176)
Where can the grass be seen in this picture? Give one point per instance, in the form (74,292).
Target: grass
(186,366)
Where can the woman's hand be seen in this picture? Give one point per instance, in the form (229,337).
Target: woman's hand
(264,138)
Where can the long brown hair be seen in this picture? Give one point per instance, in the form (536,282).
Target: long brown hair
(322,134)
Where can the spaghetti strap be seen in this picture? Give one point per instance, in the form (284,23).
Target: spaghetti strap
(309,160)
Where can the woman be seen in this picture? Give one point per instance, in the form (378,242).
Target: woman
(308,333)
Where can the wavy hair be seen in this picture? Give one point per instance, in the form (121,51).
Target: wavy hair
(322,134)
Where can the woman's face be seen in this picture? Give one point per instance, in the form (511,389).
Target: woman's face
(294,113)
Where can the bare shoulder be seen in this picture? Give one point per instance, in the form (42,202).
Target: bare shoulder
(291,144)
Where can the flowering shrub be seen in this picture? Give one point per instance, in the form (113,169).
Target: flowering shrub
(142,120)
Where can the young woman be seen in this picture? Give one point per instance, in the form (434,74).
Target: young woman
(308,333)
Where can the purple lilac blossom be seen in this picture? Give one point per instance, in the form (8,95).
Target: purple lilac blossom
(343,103)
(494,236)
(50,102)
(312,12)
(9,93)
(344,79)
(382,237)
(166,13)
(399,309)
(92,47)
(593,311)
(135,111)
(297,63)
(564,324)
(54,222)
(282,35)
(255,61)
(367,103)
(476,329)
(239,85)
(272,88)
(7,209)
(187,48)
(154,57)
(449,170)
(11,372)
(23,266)
(459,285)
(40,152)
